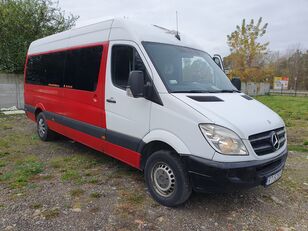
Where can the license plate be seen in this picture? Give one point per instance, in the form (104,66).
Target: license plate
(271,179)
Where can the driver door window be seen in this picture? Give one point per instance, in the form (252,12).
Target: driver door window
(125,59)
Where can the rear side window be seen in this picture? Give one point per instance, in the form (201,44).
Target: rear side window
(46,69)
(82,68)
(124,60)
(34,71)
(77,69)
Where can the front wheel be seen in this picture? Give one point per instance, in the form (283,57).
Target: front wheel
(167,179)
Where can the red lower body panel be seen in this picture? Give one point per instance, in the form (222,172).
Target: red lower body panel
(128,156)
(125,155)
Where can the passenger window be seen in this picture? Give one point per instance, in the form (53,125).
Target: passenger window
(33,73)
(76,69)
(52,69)
(82,68)
(124,60)
(46,69)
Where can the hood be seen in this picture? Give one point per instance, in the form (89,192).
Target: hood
(236,111)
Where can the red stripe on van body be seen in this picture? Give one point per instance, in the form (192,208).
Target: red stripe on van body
(102,80)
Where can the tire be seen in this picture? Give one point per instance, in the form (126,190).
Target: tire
(43,131)
(167,179)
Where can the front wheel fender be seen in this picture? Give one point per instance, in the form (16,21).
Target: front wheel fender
(167,137)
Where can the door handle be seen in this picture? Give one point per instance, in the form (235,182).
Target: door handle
(111,100)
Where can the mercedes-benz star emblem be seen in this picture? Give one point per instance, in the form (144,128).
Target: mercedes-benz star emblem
(275,141)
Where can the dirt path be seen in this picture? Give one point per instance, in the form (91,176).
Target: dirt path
(63,185)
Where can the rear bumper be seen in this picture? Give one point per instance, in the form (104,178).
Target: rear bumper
(209,176)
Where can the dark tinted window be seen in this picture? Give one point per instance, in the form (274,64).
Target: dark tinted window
(124,60)
(82,68)
(34,74)
(46,69)
(77,69)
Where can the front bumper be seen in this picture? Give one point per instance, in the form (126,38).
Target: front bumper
(209,176)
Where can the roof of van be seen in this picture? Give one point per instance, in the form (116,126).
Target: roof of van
(113,29)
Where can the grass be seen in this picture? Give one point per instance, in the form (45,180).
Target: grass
(135,198)
(36,206)
(73,162)
(95,195)
(290,108)
(93,180)
(4,143)
(51,213)
(294,112)
(20,173)
(77,192)
(71,175)
(297,148)
(2,163)
(3,154)
(74,168)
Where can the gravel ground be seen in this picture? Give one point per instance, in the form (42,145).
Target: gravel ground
(67,186)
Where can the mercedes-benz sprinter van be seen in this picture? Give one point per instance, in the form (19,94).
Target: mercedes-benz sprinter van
(156,101)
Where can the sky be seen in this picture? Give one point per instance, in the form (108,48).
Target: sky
(208,22)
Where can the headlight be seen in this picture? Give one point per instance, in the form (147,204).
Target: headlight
(223,140)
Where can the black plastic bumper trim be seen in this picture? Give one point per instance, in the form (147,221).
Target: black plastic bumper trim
(231,165)
(77,125)
(208,175)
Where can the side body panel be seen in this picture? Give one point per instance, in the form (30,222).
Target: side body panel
(79,115)
(67,109)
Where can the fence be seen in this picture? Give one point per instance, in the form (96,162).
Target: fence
(289,92)
(253,89)
(11,91)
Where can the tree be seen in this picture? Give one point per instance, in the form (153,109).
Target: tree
(293,64)
(297,67)
(247,53)
(23,21)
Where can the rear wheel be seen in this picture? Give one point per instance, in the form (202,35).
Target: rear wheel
(43,131)
(167,179)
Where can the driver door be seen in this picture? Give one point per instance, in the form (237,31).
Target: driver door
(127,118)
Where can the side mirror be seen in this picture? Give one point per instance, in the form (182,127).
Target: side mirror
(135,86)
(236,81)
(218,60)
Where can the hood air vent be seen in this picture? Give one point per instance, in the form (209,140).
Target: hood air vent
(247,97)
(205,98)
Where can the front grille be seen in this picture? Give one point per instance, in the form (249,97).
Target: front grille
(262,142)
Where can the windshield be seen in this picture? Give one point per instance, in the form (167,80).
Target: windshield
(185,69)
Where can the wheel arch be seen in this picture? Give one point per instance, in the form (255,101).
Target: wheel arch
(38,109)
(161,140)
